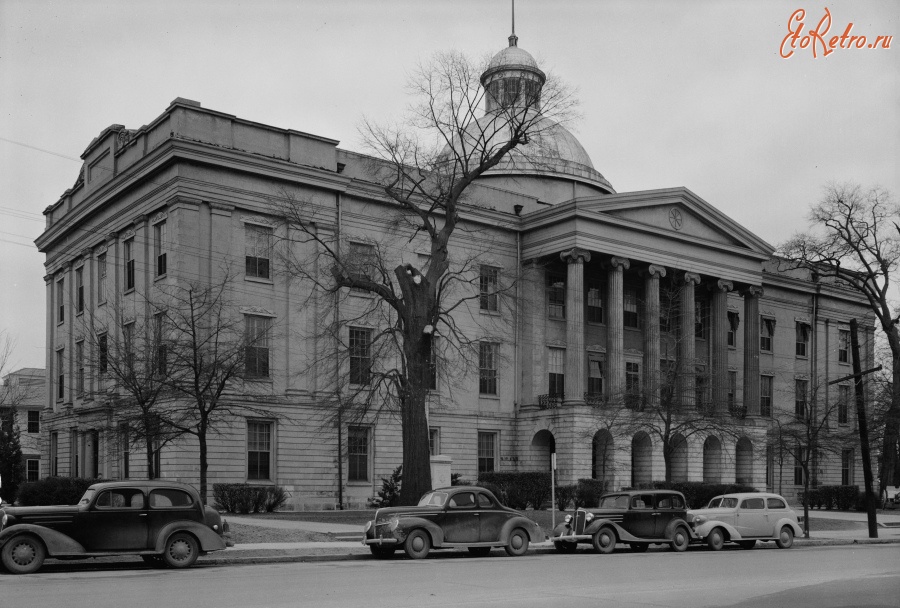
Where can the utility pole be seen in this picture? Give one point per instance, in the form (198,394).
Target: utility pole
(863,427)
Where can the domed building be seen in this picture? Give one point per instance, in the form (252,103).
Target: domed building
(584,310)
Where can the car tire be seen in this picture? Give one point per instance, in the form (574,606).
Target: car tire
(518,543)
(639,547)
(604,540)
(565,547)
(715,540)
(382,552)
(23,554)
(417,544)
(181,550)
(747,544)
(479,551)
(785,538)
(680,539)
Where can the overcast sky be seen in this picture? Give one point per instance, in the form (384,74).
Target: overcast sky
(673,93)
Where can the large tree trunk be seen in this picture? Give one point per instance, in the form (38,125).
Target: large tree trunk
(889,473)
(148,446)
(416,452)
(204,464)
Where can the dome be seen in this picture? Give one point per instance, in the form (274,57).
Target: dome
(512,57)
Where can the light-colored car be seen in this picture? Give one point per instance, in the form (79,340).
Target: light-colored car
(744,519)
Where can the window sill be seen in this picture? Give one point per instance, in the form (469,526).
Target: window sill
(261,280)
(359,483)
(99,304)
(58,323)
(79,313)
(560,319)
(159,277)
(128,291)
(490,313)
(489,397)
(847,363)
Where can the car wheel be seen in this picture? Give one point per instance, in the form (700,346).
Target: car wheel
(715,540)
(785,538)
(23,554)
(746,544)
(604,540)
(382,552)
(417,544)
(518,543)
(479,551)
(680,539)
(639,547)
(565,547)
(181,550)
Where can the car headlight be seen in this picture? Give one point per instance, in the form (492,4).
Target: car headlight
(395,521)
(567,519)
(588,517)
(3,521)
(368,527)
(698,519)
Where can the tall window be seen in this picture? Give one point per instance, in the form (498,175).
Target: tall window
(487,452)
(361,260)
(487,367)
(257,250)
(358,453)
(556,295)
(360,355)
(256,335)
(765,395)
(594,300)
(33,470)
(801,387)
(847,467)
(595,376)
(799,457)
(60,375)
(843,346)
(128,345)
(766,333)
(631,316)
(79,362)
(434,441)
(488,284)
(734,322)
(802,339)
(34,421)
(60,300)
(843,405)
(556,366)
(701,318)
(129,264)
(632,383)
(101,278)
(102,353)
(79,289)
(54,454)
(732,390)
(159,247)
(259,450)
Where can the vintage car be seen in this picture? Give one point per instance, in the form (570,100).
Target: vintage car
(447,518)
(639,518)
(890,497)
(163,522)
(744,519)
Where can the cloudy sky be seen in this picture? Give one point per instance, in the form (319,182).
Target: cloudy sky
(687,93)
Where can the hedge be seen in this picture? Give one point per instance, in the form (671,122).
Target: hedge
(518,490)
(831,497)
(244,498)
(589,491)
(54,491)
(697,494)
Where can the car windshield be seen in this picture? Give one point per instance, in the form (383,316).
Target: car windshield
(729,503)
(433,499)
(614,502)
(86,498)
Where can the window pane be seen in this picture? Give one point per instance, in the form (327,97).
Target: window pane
(487,368)
(360,355)
(259,450)
(486,452)
(487,284)
(358,453)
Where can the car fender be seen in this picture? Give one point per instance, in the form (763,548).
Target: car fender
(703,530)
(56,543)
(209,540)
(621,532)
(411,523)
(670,528)
(786,521)
(535,535)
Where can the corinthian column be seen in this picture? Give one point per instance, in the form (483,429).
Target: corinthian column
(751,349)
(615,334)
(575,353)
(651,331)
(719,354)
(686,339)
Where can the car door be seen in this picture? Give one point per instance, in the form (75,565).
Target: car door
(750,519)
(776,509)
(640,520)
(168,505)
(492,517)
(668,506)
(460,521)
(116,521)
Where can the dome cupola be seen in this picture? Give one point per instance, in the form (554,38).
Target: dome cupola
(512,78)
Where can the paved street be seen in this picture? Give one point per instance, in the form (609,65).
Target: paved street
(823,577)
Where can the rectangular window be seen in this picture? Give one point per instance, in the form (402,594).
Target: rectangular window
(487,368)
(802,339)
(701,318)
(847,467)
(556,366)
(33,470)
(434,441)
(160,364)
(734,321)
(61,300)
(79,362)
(259,450)
(799,457)
(843,405)
(362,262)
(632,384)
(800,396)
(766,333)
(129,264)
(556,295)
(360,355)
(34,421)
(257,251)
(54,454)
(124,451)
(256,336)
(79,290)
(765,395)
(630,300)
(732,390)
(594,295)
(488,284)
(159,247)
(128,346)
(60,375)
(358,453)
(487,452)
(101,278)
(843,346)
(595,377)
(102,353)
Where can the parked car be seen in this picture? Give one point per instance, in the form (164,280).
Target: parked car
(446,518)
(163,522)
(890,497)
(744,519)
(639,518)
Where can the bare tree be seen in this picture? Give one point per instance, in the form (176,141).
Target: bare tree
(855,242)
(424,169)
(11,470)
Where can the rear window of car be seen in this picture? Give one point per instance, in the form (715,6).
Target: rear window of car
(169,497)
(120,498)
(753,503)
(484,501)
(776,503)
(672,501)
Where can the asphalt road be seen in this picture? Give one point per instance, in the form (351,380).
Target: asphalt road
(820,577)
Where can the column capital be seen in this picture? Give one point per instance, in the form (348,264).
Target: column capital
(656,271)
(691,277)
(724,285)
(617,262)
(753,291)
(575,255)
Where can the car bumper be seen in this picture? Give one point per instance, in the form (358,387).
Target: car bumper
(381,541)
(570,538)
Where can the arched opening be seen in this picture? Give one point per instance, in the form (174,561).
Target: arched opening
(641,459)
(543,444)
(712,460)
(603,466)
(743,462)
(679,458)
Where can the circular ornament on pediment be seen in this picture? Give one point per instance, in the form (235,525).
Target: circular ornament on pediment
(675,218)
